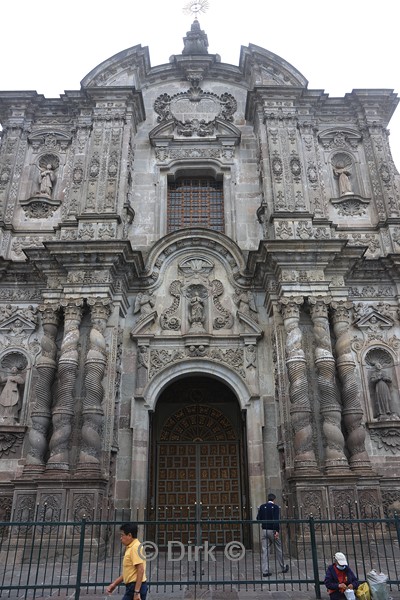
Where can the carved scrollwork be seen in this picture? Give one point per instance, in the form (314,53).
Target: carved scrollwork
(168,319)
(225,318)
(195,112)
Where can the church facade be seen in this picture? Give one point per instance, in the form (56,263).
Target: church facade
(199,292)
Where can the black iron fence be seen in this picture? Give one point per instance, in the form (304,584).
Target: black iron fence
(41,558)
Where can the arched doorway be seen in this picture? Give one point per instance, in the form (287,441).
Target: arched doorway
(198,461)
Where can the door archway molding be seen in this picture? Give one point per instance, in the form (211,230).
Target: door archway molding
(186,368)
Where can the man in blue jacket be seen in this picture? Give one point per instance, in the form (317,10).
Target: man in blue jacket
(269,514)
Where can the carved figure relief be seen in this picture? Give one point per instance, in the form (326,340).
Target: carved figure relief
(244,300)
(144,304)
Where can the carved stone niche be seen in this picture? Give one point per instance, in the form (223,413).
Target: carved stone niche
(382,385)
(42,204)
(349,203)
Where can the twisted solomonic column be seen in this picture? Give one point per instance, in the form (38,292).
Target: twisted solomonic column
(300,410)
(63,408)
(352,410)
(92,412)
(329,395)
(41,411)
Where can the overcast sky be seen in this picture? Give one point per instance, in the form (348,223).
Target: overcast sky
(337,45)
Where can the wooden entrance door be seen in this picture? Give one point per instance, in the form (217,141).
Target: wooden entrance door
(198,475)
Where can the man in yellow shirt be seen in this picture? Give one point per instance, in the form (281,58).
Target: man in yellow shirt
(133,566)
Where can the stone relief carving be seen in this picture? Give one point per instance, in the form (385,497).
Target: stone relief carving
(391,501)
(195,112)
(351,207)
(225,317)
(197,308)
(10,442)
(387,438)
(144,304)
(244,300)
(5,512)
(168,319)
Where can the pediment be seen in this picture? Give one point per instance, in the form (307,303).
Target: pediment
(374,319)
(142,327)
(222,131)
(340,139)
(17,324)
(251,328)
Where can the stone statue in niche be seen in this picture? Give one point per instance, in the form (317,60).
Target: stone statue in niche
(196,310)
(381,383)
(341,164)
(47,179)
(196,295)
(344,180)
(10,396)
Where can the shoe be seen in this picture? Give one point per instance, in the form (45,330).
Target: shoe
(267,574)
(286,569)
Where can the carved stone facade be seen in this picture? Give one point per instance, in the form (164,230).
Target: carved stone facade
(248,313)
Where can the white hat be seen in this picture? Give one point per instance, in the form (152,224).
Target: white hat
(340,559)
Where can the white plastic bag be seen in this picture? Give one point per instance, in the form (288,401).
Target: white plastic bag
(377,585)
(350,595)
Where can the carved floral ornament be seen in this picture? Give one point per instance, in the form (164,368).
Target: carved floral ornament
(195,112)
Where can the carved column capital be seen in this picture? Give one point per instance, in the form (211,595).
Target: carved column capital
(319,306)
(341,311)
(290,307)
(49,313)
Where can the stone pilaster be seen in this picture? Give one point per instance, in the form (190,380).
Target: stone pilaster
(300,409)
(329,395)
